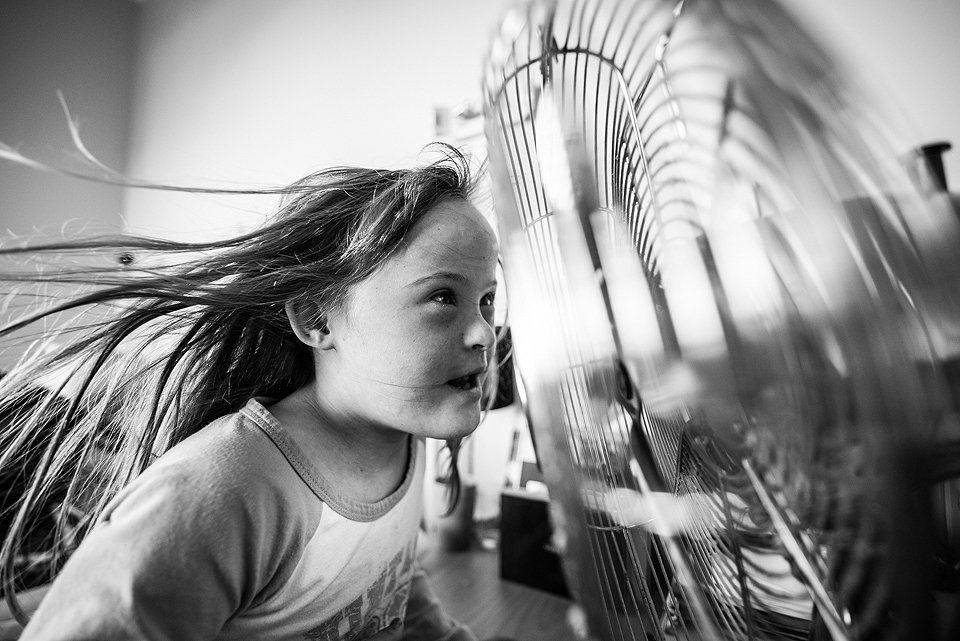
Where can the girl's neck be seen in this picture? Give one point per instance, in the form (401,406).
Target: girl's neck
(363,462)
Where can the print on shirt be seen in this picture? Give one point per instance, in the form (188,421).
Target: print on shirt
(376,608)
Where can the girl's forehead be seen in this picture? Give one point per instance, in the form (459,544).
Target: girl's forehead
(453,242)
(453,238)
(453,229)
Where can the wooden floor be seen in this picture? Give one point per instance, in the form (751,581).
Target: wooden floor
(469,586)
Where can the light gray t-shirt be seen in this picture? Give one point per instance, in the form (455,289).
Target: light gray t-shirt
(234,534)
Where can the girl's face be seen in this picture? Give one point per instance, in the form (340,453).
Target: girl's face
(410,348)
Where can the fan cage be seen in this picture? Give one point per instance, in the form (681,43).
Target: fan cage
(714,140)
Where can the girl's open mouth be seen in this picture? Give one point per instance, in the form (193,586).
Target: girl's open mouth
(468,382)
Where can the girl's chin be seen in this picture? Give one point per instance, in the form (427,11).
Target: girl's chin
(458,428)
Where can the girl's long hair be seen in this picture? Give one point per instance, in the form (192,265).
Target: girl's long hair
(174,335)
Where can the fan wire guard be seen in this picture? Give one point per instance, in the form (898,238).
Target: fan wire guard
(729,307)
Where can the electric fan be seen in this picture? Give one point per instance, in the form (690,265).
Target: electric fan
(731,311)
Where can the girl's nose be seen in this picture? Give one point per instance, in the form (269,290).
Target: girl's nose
(481,335)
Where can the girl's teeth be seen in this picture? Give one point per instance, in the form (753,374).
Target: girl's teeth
(464,382)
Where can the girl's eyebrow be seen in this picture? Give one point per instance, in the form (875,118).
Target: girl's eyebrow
(446,275)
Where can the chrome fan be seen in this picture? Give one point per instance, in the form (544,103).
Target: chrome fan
(731,311)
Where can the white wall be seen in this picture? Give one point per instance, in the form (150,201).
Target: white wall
(264,92)
(906,55)
(86,50)
(256,92)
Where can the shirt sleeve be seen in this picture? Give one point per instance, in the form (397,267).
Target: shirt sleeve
(173,557)
(425,619)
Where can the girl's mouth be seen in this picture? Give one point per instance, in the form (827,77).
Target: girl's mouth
(468,382)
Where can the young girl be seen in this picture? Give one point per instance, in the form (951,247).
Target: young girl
(247,426)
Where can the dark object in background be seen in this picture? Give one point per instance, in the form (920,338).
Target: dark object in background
(930,155)
(457,530)
(527,555)
(505,379)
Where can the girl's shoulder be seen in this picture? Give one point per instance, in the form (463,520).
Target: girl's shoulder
(233,466)
(219,514)
(234,449)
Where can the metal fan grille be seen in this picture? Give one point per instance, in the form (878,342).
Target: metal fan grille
(752,379)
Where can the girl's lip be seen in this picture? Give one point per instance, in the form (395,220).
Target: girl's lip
(468,382)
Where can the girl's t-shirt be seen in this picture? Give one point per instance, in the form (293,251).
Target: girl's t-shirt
(234,534)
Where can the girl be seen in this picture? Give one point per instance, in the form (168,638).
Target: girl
(247,429)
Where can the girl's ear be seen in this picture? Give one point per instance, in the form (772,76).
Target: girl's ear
(316,337)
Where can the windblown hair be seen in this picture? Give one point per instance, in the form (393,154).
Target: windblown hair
(185,336)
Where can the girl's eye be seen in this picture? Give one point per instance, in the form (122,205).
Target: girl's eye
(488,300)
(445,298)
